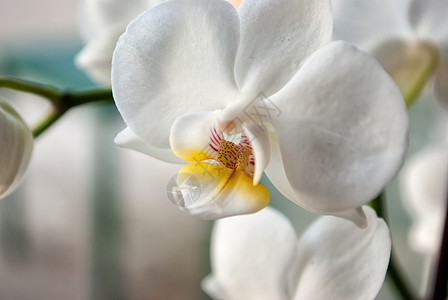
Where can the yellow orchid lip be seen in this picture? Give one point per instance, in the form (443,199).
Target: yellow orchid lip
(215,191)
(219,182)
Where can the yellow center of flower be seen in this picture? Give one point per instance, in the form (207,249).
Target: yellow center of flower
(226,186)
(235,157)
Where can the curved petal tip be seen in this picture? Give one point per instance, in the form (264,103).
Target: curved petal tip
(17,144)
(128,139)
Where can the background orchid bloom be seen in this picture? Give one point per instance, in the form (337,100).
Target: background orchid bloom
(16,143)
(101,23)
(408,37)
(259,257)
(261,87)
(424,185)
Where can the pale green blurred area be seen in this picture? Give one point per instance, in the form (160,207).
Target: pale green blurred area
(91,220)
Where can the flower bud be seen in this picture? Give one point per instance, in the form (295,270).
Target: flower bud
(16,144)
(411,65)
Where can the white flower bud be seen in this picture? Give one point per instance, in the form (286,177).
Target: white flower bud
(16,144)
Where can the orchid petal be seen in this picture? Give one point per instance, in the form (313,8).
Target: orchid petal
(251,256)
(259,138)
(95,58)
(424,185)
(276,171)
(196,136)
(17,144)
(213,191)
(128,139)
(212,287)
(390,52)
(428,18)
(338,260)
(441,79)
(101,23)
(97,16)
(424,235)
(352,136)
(276,37)
(175,65)
(357,216)
(365,23)
(407,62)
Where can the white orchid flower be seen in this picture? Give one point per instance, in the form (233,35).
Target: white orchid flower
(424,186)
(101,22)
(16,142)
(408,37)
(258,257)
(254,89)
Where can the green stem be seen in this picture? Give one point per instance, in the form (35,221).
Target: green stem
(30,87)
(419,83)
(393,272)
(49,119)
(88,96)
(61,100)
(418,63)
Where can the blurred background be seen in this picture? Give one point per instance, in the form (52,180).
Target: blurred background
(91,220)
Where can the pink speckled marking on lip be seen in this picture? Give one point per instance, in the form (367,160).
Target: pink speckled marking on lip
(233,152)
(215,139)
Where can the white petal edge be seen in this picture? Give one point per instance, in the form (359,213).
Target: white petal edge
(192,136)
(101,23)
(342,135)
(276,37)
(259,138)
(174,59)
(17,144)
(96,57)
(96,17)
(425,234)
(390,52)
(128,139)
(441,77)
(424,179)
(423,183)
(247,259)
(357,216)
(338,260)
(365,23)
(428,18)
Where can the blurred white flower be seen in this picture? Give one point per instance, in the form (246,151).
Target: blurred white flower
(101,23)
(424,187)
(261,85)
(258,257)
(408,37)
(16,142)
